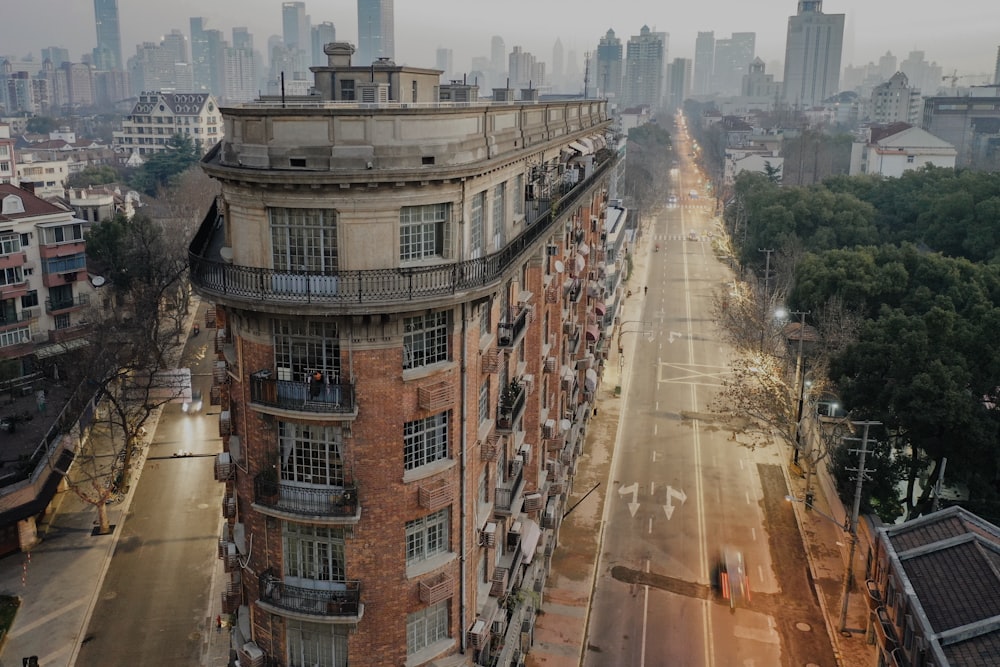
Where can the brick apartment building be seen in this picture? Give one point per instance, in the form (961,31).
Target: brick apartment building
(412,308)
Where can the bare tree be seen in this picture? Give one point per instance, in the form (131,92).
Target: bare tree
(132,348)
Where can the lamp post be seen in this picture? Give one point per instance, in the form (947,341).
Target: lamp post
(621,332)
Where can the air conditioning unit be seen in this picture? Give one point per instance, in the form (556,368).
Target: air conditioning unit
(549,429)
(478,634)
(488,535)
(525,453)
(251,655)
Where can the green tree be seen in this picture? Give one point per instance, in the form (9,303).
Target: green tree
(42,124)
(94,175)
(160,170)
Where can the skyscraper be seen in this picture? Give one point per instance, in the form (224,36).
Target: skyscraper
(376,31)
(294,25)
(732,61)
(679,82)
(812,54)
(646,68)
(498,55)
(609,66)
(704,63)
(322,34)
(108,54)
(445,61)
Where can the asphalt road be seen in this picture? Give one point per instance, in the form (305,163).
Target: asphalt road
(153,606)
(682,488)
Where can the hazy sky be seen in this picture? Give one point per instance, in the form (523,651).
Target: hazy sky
(957,34)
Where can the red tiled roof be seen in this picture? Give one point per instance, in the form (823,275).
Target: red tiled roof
(33,206)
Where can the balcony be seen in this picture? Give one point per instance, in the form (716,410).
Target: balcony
(509,492)
(509,332)
(331,504)
(68,333)
(511,406)
(59,305)
(250,285)
(277,396)
(16,319)
(341,603)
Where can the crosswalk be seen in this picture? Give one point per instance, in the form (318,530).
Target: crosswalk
(678,237)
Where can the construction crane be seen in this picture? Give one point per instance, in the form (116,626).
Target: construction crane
(955,77)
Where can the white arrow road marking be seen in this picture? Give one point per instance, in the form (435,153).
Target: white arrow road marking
(633,506)
(674,335)
(673,493)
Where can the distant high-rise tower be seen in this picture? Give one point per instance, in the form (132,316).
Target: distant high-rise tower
(498,55)
(996,74)
(609,66)
(704,63)
(445,62)
(679,82)
(732,62)
(558,65)
(645,67)
(376,31)
(322,34)
(812,54)
(108,54)
(294,25)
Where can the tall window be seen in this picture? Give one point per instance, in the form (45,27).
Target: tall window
(303,239)
(425,441)
(312,553)
(499,215)
(518,194)
(427,536)
(10,244)
(301,348)
(316,644)
(310,454)
(476,224)
(485,317)
(426,626)
(425,339)
(484,401)
(424,231)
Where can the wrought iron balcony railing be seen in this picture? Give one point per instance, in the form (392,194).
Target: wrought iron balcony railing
(342,598)
(508,491)
(55,305)
(511,406)
(336,398)
(509,332)
(222,280)
(332,501)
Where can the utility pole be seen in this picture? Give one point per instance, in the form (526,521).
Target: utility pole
(800,382)
(853,526)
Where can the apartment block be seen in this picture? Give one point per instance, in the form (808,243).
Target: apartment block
(413,305)
(157,116)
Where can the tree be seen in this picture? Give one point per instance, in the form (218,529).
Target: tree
(771,172)
(131,346)
(94,175)
(42,124)
(161,168)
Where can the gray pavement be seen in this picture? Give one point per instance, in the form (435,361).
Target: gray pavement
(60,580)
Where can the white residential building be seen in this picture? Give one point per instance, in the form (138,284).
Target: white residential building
(897,148)
(45,172)
(896,101)
(157,117)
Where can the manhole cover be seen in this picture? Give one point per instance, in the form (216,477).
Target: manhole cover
(804,627)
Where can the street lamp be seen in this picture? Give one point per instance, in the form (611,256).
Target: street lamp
(621,332)
(850,526)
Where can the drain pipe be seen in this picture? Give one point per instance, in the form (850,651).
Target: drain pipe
(463,501)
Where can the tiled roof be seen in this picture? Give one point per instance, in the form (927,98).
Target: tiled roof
(951,562)
(33,206)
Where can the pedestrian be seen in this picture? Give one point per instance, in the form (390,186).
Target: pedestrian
(645,290)
(218,623)
(316,385)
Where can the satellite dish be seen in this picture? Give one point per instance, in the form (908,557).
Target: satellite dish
(560,267)
(565,424)
(97,281)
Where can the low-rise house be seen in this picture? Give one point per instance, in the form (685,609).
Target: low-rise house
(934,591)
(891,150)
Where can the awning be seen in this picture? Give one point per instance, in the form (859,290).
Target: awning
(600,308)
(590,380)
(529,541)
(578,147)
(593,333)
(60,348)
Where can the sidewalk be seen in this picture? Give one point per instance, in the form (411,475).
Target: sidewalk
(60,580)
(561,626)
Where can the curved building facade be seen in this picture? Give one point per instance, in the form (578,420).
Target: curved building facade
(410,309)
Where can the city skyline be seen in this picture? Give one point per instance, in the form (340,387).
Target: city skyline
(957,37)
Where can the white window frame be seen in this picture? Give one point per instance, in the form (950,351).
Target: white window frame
(425,339)
(477,215)
(303,239)
(427,536)
(310,454)
(499,215)
(313,555)
(484,401)
(316,644)
(426,626)
(425,440)
(424,232)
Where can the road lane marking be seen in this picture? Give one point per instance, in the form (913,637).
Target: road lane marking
(645,619)
(753,532)
(748,497)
